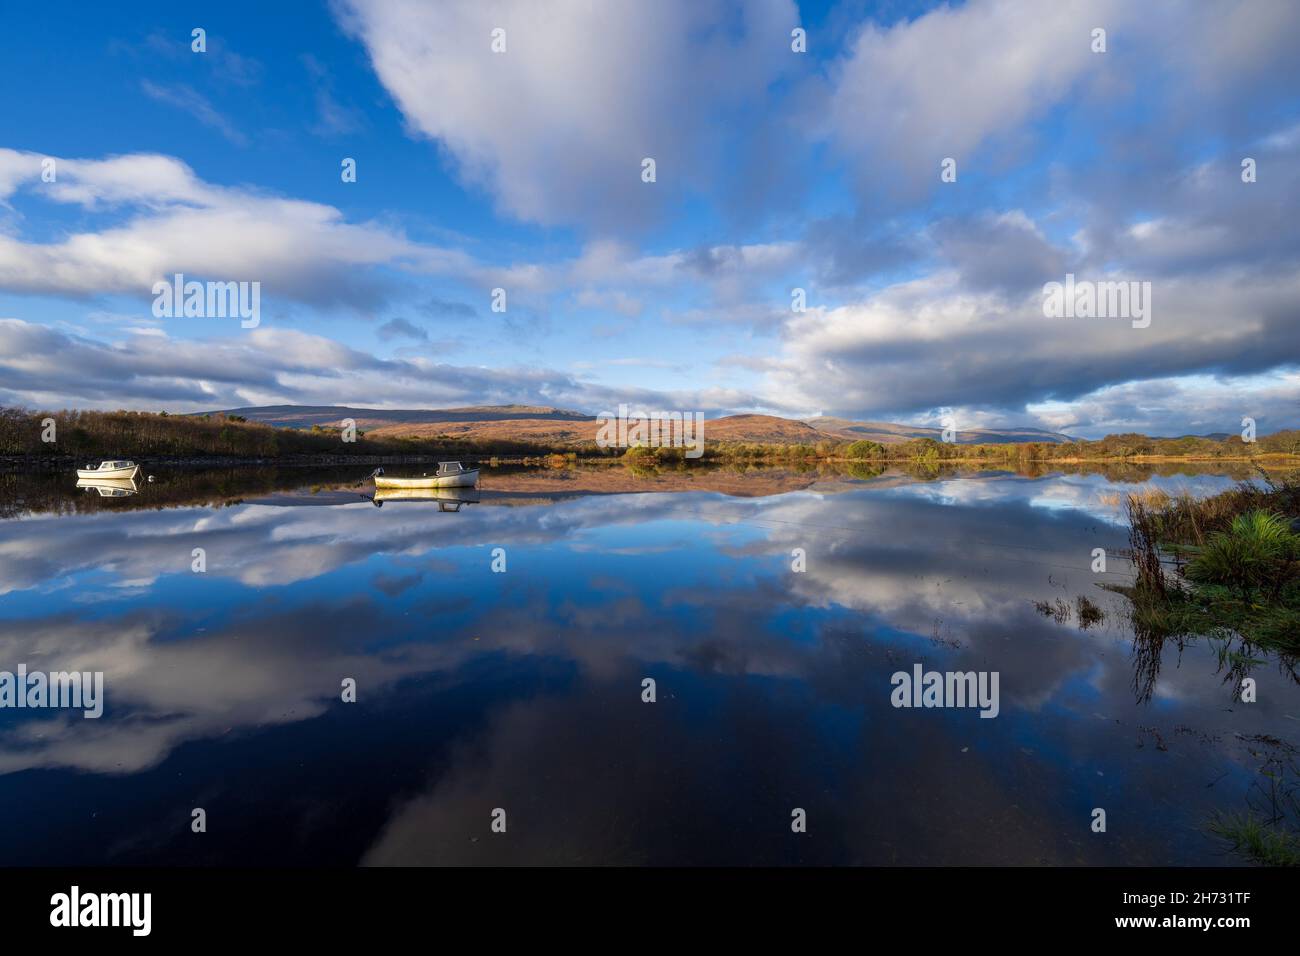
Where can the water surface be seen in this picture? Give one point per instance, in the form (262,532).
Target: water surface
(522,690)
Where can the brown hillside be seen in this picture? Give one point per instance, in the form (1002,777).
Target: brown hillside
(562,427)
(765,429)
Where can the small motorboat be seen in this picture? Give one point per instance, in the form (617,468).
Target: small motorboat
(109,487)
(451,474)
(110,471)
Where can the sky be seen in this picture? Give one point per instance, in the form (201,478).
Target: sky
(799,252)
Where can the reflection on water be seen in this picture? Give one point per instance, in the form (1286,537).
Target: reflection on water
(108,487)
(521,688)
(447,499)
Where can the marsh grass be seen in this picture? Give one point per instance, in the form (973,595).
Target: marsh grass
(1088,611)
(1268,831)
(1223,566)
(1226,569)
(1059,611)
(1084,609)
(1257,839)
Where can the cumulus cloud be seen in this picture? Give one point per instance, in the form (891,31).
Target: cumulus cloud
(1204,217)
(944,84)
(170,220)
(969,332)
(557,126)
(49,368)
(1006,252)
(175,222)
(1195,404)
(937,342)
(921,309)
(969,81)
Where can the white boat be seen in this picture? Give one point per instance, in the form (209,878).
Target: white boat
(110,471)
(451,474)
(109,487)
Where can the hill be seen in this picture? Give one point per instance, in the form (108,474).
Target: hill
(887,432)
(557,426)
(304,416)
(94,435)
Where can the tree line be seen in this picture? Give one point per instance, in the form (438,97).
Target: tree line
(96,434)
(127,434)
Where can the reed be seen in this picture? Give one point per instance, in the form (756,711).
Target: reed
(1225,566)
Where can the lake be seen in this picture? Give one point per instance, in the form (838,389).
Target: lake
(501,647)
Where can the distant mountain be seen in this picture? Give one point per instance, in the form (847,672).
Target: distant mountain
(545,424)
(887,432)
(304,416)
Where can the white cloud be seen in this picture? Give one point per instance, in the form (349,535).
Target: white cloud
(1195,404)
(46,368)
(962,78)
(935,342)
(556,127)
(168,220)
(178,223)
(943,84)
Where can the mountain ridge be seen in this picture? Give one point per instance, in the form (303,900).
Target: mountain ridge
(549,423)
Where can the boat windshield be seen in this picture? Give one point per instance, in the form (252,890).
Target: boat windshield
(449,467)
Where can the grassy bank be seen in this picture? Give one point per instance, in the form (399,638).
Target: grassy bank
(1281,450)
(1267,831)
(141,435)
(1227,566)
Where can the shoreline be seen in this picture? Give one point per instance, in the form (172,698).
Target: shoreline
(545,458)
(57,463)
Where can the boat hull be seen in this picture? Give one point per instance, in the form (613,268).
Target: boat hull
(466,479)
(108,474)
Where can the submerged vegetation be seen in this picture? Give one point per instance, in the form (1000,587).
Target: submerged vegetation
(1268,831)
(1227,568)
(1087,611)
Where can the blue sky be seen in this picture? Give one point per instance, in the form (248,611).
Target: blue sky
(775,170)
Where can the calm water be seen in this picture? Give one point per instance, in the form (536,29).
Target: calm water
(522,690)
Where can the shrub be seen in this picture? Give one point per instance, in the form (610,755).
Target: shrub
(864,449)
(1258,551)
